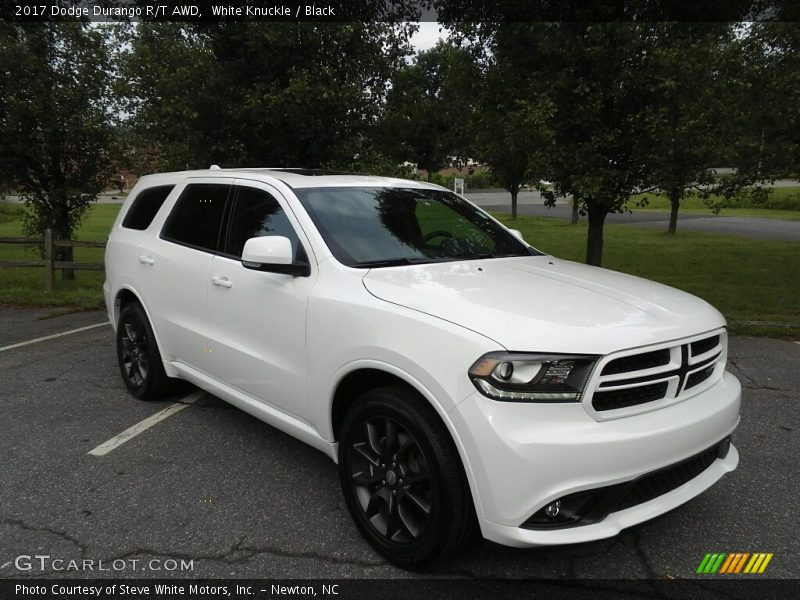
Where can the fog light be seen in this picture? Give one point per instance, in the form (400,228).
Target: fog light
(565,511)
(551,510)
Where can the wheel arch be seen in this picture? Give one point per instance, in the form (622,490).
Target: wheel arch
(127,294)
(359,378)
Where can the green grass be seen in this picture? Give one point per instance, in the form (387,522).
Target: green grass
(26,286)
(747,279)
(694,205)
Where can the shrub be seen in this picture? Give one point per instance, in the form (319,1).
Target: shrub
(477,181)
(11,211)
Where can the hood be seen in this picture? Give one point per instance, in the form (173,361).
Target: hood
(541,303)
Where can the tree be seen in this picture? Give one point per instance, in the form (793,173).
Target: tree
(769,101)
(238,93)
(429,108)
(512,133)
(691,124)
(56,120)
(594,75)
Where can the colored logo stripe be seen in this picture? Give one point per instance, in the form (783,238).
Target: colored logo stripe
(733,563)
(758,563)
(711,562)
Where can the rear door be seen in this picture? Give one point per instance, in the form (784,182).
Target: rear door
(258,319)
(174,268)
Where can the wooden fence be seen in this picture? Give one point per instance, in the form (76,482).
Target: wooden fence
(49,262)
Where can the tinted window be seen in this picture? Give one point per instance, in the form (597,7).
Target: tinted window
(256,213)
(197,216)
(364,227)
(145,206)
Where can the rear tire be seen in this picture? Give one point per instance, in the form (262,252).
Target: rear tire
(403,480)
(138,356)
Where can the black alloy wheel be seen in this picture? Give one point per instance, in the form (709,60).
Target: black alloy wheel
(391,479)
(402,479)
(138,356)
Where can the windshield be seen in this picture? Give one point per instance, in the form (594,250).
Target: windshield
(375,227)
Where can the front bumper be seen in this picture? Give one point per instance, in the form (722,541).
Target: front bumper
(520,457)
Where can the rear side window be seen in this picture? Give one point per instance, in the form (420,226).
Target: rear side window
(145,206)
(196,218)
(257,213)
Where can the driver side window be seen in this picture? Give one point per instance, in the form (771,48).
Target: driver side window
(257,213)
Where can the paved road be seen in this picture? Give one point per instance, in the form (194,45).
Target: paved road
(531,204)
(241,499)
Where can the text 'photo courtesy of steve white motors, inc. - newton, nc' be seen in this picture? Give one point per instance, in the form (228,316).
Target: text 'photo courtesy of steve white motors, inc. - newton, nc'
(162,11)
(171,590)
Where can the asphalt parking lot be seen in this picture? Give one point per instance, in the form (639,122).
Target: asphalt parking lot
(238,498)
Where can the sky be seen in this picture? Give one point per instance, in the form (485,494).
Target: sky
(427,36)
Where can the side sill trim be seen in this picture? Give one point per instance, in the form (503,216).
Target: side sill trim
(278,419)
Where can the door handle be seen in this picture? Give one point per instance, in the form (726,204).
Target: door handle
(146,260)
(221,281)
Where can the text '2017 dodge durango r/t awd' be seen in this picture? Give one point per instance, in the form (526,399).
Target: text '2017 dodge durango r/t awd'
(463,381)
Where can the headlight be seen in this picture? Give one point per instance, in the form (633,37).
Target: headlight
(521,377)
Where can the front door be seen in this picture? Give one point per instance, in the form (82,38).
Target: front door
(259,319)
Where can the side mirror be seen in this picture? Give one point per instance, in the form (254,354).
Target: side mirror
(272,254)
(517,234)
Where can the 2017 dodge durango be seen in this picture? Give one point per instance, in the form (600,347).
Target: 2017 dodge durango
(464,382)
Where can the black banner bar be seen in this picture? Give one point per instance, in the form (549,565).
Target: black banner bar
(389,589)
(399,10)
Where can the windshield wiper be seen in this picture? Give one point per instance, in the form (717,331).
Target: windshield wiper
(480,255)
(398,262)
(476,256)
(391,262)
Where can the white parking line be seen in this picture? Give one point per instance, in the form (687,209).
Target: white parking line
(141,426)
(51,337)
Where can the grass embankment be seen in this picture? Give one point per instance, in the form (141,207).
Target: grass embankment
(747,279)
(783,201)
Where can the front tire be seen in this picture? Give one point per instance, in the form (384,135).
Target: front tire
(138,356)
(402,479)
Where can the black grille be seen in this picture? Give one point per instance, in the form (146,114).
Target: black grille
(703,346)
(637,362)
(699,377)
(629,396)
(658,483)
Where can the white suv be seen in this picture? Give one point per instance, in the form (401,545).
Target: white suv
(463,381)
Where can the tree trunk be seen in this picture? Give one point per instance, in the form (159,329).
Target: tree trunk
(66,254)
(575,215)
(674,204)
(594,242)
(514,193)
